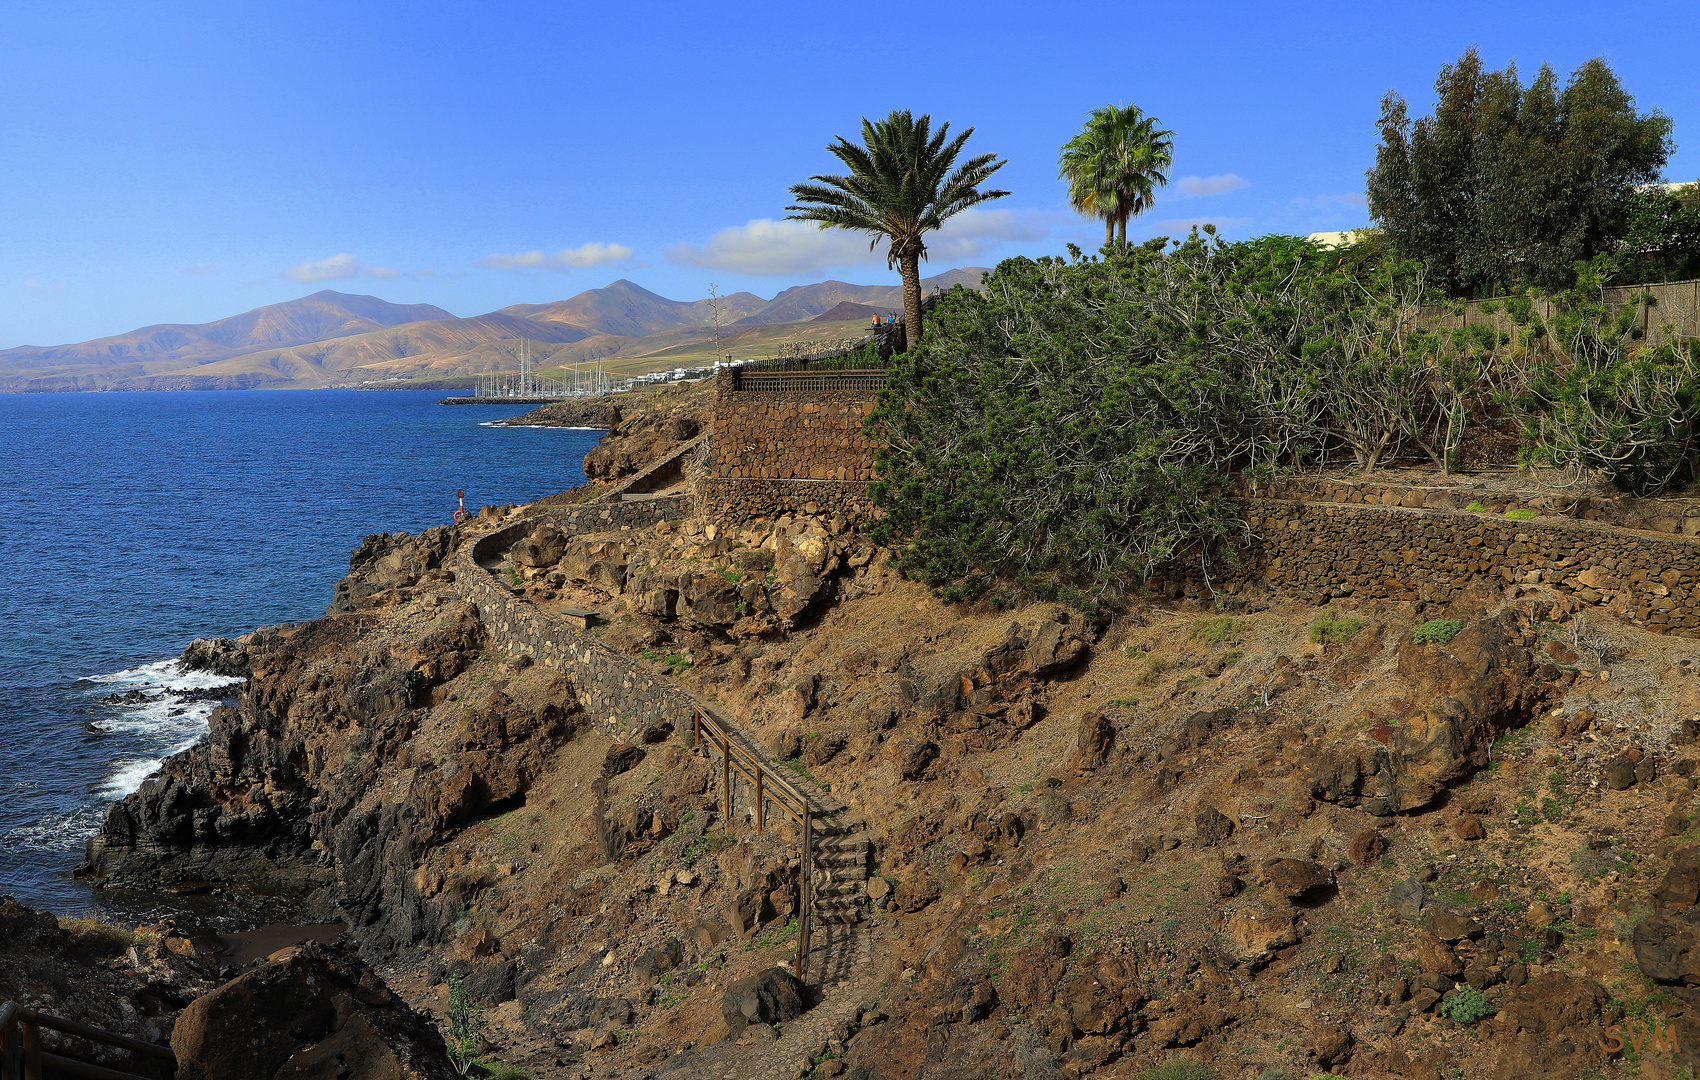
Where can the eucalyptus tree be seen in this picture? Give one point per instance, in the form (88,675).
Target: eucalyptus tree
(904,182)
(1115,166)
(1506,184)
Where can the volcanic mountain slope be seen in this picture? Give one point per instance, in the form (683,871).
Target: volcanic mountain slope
(338,339)
(323,316)
(1274,838)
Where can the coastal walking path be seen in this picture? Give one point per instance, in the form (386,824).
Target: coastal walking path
(841,967)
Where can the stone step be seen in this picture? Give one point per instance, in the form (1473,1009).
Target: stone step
(843,842)
(837,903)
(840,918)
(834,889)
(841,873)
(841,856)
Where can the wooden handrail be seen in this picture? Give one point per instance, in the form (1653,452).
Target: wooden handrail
(768,784)
(21,1056)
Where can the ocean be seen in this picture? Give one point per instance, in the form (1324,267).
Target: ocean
(140,521)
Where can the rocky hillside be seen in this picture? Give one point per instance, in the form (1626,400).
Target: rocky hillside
(1375,839)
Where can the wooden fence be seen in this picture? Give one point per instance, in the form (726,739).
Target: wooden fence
(22,1058)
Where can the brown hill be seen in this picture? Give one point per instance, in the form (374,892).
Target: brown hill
(323,316)
(627,309)
(337,339)
(848,312)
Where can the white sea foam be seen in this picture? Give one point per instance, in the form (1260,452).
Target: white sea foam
(164,725)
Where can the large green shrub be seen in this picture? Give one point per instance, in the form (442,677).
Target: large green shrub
(1076,423)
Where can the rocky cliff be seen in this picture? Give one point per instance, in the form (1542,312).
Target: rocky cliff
(1379,838)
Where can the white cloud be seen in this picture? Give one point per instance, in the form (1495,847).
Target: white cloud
(337,266)
(1220,184)
(594,253)
(765,246)
(31,283)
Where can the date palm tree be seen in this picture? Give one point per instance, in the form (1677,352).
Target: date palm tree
(1115,166)
(903,183)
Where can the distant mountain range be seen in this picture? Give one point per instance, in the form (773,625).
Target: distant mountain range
(338,339)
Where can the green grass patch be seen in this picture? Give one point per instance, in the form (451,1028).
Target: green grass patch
(1436,631)
(1334,628)
(1476,507)
(1522,513)
(1212,632)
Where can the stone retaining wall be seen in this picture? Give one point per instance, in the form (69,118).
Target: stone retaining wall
(813,434)
(1319,552)
(1655,515)
(619,696)
(733,503)
(595,517)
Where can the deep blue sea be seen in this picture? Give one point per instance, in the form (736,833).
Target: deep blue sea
(137,522)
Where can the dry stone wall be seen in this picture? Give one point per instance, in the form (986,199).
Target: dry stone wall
(1321,552)
(812,434)
(1669,515)
(734,503)
(618,695)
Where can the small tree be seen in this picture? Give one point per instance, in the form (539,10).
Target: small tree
(903,183)
(466,1027)
(1599,402)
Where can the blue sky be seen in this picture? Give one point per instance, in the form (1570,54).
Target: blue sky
(179,162)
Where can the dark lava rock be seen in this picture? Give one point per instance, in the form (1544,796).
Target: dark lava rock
(767,997)
(314,1011)
(1406,899)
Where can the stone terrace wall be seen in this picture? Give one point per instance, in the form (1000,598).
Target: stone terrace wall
(614,691)
(1320,552)
(1657,515)
(733,503)
(813,434)
(594,517)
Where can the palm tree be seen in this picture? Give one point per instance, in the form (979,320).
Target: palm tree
(901,186)
(1115,165)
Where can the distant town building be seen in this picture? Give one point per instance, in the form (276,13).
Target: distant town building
(1338,239)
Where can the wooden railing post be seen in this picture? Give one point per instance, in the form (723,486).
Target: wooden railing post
(31,1040)
(726,776)
(9,1066)
(805,890)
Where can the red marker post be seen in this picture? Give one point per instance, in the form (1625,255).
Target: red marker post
(461,514)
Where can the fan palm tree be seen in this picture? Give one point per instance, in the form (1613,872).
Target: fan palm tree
(903,183)
(1115,165)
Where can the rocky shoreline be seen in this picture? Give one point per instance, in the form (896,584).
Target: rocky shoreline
(587,413)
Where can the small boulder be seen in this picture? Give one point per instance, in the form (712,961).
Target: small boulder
(1450,926)
(1619,773)
(1681,887)
(773,996)
(314,1010)
(1406,899)
(1366,847)
(1296,880)
(1213,826)
(1469,827)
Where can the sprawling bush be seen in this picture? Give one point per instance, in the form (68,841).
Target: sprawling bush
(1078,421)
(1077,424)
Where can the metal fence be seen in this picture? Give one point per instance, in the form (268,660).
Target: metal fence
(864,382)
